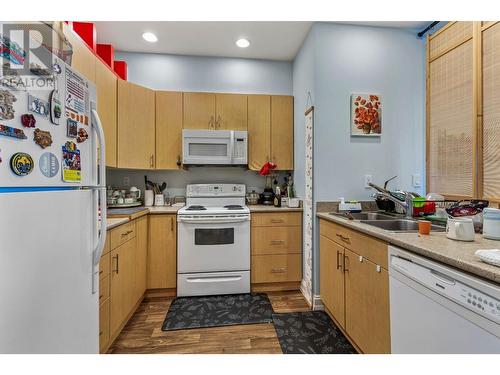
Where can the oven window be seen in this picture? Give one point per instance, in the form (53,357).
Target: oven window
(223,236)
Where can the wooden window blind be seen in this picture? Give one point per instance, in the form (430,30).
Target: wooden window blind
(450,127)
(491,112)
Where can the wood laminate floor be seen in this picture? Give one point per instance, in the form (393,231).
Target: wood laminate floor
(143,333)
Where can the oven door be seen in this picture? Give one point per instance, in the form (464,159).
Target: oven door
(213,244)
(207,147)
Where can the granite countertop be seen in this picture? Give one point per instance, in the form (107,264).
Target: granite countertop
(435,246)
(264,208)
(163,210)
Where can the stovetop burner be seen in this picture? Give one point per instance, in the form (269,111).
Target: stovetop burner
(196,208)
(233,207)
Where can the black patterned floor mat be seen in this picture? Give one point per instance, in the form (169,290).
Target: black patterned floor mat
(218,311)
(311,332)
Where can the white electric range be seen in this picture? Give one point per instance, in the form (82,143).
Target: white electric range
(213,243)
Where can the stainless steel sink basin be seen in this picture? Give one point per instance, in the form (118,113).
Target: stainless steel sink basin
(400,225)
(365,215)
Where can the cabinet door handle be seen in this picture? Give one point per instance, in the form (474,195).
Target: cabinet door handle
(101,272)
(100,333)
(344,263)
(343,238)
(218,122)
(171,224)
(179,162)
(276,221)
(117,263)
(152,161)
(277,242)
(278,270)
(211,122)
(338,261)
(127,233)
(102,295)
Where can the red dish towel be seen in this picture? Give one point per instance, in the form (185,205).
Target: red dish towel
(266,168)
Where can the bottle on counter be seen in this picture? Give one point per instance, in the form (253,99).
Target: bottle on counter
(277,197)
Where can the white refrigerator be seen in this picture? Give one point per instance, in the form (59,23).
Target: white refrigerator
(52,215)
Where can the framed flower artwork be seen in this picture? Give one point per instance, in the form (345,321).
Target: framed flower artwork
(366,115)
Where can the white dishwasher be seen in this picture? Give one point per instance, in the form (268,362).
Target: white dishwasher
(437,309)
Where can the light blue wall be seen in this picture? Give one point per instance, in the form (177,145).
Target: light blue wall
(210,74)
(356,59)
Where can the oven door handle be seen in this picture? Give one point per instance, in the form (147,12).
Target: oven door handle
(212,279)
(213,220)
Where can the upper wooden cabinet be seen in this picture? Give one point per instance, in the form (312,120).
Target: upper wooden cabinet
(199,110)
(270,131)
(215,111)
(136,126)
(106,84)
(282,131)
(230,112)
(83,59)
(259,131)
(168,130)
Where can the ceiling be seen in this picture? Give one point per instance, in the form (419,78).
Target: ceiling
(279,40)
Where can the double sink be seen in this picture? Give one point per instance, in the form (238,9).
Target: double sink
(391,223)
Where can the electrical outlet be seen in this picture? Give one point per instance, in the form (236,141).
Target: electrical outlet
(415,180)
(368,179)
(126,181)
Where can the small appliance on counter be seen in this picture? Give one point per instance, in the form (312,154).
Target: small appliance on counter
(349,206)
(253,198)
(491,223)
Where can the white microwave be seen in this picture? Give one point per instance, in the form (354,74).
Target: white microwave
(214,147)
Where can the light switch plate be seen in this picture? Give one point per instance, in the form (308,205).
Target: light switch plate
(126,181)
(415,180)
(368,179)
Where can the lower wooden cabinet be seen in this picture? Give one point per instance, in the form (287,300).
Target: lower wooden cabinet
(122,284)
(276,248)
(367,304)
(332,278)
(141,257)
(162,252)
(354,285)
(104,326)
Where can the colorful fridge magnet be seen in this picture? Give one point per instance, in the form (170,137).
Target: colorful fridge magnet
(55,107)
(71,163)
(11,50)
(28,120)
(82,135)
(42,138)
(39,70)
(57,68)
(38,106)
(9,131)
(21,164)
(71,128)
(48,164)
(7,100)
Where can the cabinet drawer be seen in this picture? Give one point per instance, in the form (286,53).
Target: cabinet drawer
(104,326)
(122,234)
(369,247)
(103,289)
(276,268)
(277,219)
(104,266)
(276,240)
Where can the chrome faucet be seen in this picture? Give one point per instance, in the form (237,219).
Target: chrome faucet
(407,204)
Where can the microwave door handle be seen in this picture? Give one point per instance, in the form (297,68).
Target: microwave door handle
(231,147)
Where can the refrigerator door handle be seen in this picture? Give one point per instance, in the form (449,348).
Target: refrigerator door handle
(100,199)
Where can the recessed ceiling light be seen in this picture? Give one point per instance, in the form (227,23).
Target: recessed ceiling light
(243,43)
(150,37)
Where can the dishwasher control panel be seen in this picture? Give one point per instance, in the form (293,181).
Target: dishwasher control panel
(449,287)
